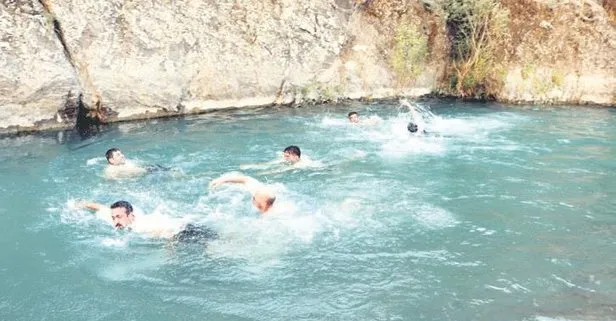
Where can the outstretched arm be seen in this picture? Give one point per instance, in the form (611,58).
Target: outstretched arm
(91,205)
(101,211)
(233,178)
(262,197)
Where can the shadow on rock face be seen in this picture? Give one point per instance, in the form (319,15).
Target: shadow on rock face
(88,121)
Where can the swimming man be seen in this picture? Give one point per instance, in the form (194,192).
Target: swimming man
(120,215)
(354,118)
(415,126)
(262,197)
(118,167)
(291,156)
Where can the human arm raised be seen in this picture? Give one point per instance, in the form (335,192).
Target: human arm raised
(90,205)
(262,197)
(233,178)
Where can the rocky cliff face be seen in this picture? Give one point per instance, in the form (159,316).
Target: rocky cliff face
(35,75)
(561,51)
(133,59)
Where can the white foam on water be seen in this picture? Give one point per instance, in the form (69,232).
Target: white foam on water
(443,133)
(433,217)
(395,141)
(130,127)
(501,289)
(328,121)
(246,234)
(134,269)
(481,230)
(367,121)
(570,284)
(483,130)
(114,242)
(262,240)
(480,302)
(71,213)
(345,213)
(95,161)
(403,146)
(471,127)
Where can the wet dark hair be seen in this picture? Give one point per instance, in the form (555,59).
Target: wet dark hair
(270,201)
(352,113)
(293,150)
(412,127)
(109,153)
(123,204)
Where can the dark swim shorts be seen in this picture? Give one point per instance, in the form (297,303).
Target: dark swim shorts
(156,168)
(195,234)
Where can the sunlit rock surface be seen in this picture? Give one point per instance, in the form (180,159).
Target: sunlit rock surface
(156,58)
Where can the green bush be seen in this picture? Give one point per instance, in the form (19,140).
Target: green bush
(478,29)
(409,53)
(558,78)
(528,71)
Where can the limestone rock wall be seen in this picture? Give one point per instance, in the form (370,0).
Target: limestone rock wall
(35,76)
(167,57)
(563,51)
(147,55)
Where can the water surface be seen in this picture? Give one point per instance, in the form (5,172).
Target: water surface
(502,213)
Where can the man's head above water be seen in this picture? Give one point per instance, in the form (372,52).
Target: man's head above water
(262,197)
(115,157)
(263,200)
(122,214)
(353,117)
(292,154)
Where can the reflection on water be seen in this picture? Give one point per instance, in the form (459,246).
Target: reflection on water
(499,213)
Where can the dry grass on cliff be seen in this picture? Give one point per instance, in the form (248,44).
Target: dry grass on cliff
(555,35)
(488,37)
(412,33)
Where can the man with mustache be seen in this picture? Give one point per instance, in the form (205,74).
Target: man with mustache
(122,217)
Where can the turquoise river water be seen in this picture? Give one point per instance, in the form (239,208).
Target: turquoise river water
(501,213)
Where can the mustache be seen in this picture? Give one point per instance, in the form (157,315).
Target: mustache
(120,226)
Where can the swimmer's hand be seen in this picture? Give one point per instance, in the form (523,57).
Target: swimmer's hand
(88,205)
(74,205)
(214,183)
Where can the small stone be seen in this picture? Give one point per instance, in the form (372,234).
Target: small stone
(545,25)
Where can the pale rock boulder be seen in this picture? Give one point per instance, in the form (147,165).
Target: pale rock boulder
(35,76)
(144,56)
